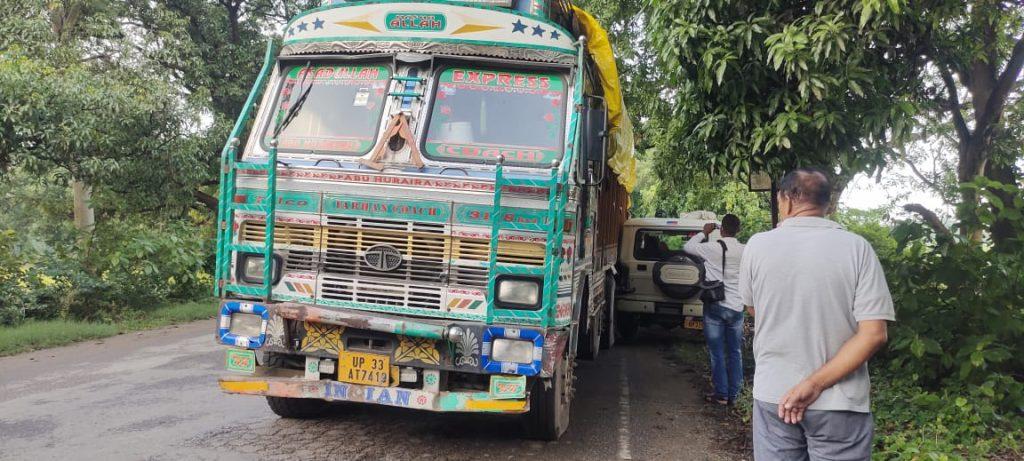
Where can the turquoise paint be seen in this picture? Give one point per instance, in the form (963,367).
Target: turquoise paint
(451,402)
(304,202)
(480,215)
(226,188)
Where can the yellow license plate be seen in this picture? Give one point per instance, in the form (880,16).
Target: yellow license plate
(693,323)
(363,368)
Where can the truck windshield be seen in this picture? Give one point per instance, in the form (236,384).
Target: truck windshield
(340,115)
(480,114)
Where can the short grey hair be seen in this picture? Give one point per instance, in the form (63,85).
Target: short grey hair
(807,185)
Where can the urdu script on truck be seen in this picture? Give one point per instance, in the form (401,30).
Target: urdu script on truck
(420,206)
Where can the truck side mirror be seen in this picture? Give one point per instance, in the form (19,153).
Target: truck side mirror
(594,141)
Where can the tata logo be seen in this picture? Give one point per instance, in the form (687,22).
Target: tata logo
(383,258)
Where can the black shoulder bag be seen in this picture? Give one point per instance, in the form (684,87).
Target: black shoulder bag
(713,292)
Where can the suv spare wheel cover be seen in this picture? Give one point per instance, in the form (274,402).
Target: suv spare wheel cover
(680,276)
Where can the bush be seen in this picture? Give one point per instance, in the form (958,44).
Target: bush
(135,265)
(124,265)
(954,422)
(949,385)
(24,289)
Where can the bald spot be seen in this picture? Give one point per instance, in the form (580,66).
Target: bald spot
(806,186)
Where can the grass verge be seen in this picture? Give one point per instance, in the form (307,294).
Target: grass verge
(41,334)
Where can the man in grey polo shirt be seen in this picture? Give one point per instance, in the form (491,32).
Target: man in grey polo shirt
(820,304)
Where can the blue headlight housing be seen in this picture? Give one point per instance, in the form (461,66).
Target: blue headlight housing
(511,354)
(235,328)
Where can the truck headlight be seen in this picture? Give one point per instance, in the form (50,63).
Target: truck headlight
(249,325)
(518,292)
(512,350)
(250,268)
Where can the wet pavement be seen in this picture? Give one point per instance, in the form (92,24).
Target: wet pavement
(154,396)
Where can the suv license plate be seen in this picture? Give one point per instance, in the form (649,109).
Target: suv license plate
(363,368)
(693,323)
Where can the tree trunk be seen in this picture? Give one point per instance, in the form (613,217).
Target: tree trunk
(85,218)
(839,183)
(1002,229)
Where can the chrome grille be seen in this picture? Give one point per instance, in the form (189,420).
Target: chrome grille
(424,254)
(380,293)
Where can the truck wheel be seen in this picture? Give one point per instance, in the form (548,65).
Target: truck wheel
(589,342)
(286,407)
(608,328)
(550,404)
(628,326)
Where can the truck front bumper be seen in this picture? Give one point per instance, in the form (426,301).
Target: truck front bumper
(325,389)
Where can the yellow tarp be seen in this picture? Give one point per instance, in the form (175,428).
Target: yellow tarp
(620,133)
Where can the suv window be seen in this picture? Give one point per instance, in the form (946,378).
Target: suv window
(658,244)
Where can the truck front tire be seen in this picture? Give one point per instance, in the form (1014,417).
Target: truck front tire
(550,404)
(608,327)
(290,408)
(589,343)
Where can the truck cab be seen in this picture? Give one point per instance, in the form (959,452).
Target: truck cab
(658,283)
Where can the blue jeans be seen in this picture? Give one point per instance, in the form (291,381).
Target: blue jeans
(723,329)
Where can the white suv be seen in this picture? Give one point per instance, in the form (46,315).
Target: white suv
(658,283)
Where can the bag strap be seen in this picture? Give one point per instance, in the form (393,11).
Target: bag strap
(723,259)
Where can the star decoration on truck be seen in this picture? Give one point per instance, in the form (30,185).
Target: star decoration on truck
(535,31)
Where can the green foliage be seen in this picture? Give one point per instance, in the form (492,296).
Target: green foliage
(771,85)
(131,264)
(953,422)
(961,312)
(949,384)
(872,225)
(653,197)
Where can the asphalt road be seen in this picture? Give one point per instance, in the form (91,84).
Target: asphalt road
(154,396)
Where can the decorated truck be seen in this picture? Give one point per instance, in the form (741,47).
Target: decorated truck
(420,206)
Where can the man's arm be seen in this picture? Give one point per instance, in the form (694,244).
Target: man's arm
(870,337)
(695,245)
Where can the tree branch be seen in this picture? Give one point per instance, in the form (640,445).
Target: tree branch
(931,184)
(1004,84)
(929,218)
(206,199)
(954,101)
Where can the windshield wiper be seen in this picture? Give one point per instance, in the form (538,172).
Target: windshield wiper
(293,110)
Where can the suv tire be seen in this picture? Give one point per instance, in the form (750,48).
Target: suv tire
(677,290)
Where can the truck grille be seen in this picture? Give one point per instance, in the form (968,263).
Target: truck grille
(424,248)
(379,292)
(431,258)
